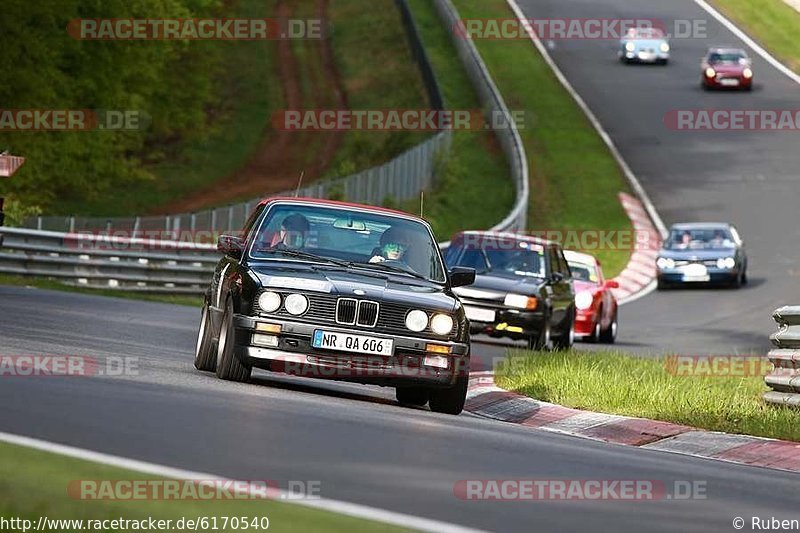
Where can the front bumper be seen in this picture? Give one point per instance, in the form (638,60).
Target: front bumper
(713,276)
(728,82)
(645,57)
(411,363)
(585,322)
(512,323)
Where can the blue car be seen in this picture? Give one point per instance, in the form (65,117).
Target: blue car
(644,45)
(702,253)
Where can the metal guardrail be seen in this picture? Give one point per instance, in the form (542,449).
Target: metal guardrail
(493,107)
(163,266)
(784,380)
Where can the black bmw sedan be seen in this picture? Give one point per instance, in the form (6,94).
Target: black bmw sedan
(326,289)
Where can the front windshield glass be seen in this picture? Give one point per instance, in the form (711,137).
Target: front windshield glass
(583,272)
(699,239)
(727,58)
(504,257)
(647,33)
(347,237)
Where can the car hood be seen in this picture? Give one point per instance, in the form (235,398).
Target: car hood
(697,255)
(646,43)
(581,286)
(494,287)
(728,69)
(379,286)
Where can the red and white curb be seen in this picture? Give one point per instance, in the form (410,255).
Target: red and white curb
(640,273)
(486,399)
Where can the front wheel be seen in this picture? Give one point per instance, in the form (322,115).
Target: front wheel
(450,401)
(229,367)
(541,341)
(566,339)
(204,357)
(609,335)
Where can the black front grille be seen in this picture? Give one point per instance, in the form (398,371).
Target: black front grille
(346,311)
(367,314)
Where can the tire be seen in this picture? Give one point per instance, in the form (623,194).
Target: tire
(595,336)
(412,395)
(609,336)
(229,367)
(744,277)
(661,285)
(566,339)
(450,401)
(542,340)
(205,357)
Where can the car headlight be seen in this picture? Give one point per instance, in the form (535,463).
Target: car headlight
(269,301)
(417,320)
(442,324)
(583,300)
(520,301)
(296,304)
(630,47)
(665,262)
(726,262)
(747,73)
(710,72)
(664,47)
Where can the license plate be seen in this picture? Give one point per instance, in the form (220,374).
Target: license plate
(346,342)
(697,273)
(479,315)
(729,82)
(646,56)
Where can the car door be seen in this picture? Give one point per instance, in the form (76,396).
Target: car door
(561,285)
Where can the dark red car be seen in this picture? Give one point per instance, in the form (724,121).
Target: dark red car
(727,68)
(596,307)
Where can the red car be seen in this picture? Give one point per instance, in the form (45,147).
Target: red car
(595,305)
(727,68)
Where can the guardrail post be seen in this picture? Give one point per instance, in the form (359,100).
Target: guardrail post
(784,379)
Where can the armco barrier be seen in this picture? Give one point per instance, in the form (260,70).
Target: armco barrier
(181,267)
(784,380)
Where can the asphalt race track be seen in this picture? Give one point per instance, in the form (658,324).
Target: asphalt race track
(357,442)
(354,440)
(748,178)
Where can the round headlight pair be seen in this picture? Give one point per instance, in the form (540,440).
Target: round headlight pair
(583,300)
(295,304)
(417,321)
(665,262)
(726,262)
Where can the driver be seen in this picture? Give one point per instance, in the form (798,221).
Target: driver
(292,234)
(394,245)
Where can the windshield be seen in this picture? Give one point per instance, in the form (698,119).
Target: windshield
(347,238)
(583,272)
(727,58)
(505,258)
(699,239)
(646,33)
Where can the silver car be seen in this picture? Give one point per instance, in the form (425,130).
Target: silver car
(644,45)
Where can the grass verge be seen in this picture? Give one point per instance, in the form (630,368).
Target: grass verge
(40,283)
(34,484)
(772,23)
(602,381)
(574,178)
(473,188)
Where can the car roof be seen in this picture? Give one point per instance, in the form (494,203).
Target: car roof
(726,51)
(507,235)
(337,203)
(580,257)
(700,225)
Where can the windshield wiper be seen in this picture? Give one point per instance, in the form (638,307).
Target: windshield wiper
(393,268)
(307,255)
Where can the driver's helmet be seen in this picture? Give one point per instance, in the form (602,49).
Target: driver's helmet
(394,243)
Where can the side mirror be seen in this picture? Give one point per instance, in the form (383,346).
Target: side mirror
(557,277)
(461,276)
(612,284)
(231,245)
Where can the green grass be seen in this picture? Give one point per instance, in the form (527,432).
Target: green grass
(772,23)
(473,189)
(39,283)
(616,383)
(574,178)
(34,483)
(251,92)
